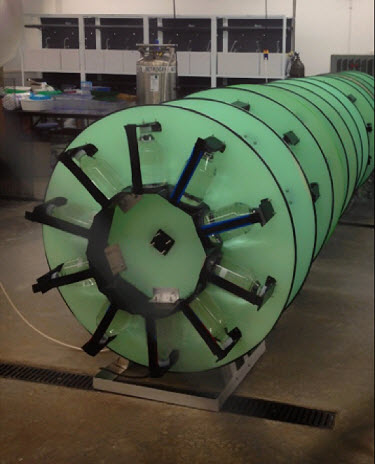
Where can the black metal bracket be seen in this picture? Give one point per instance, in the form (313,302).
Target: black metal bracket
(352,98)
(119,292)
(162,242)
(242,105)
(265,211)
(234,335)
(89,150)
(315,191)
(151,126)
(369,128)
(99,339)
(131,132)
(43,281)
(41,215)
(157,367)
(52,279)
(266,291)
(213,145)
(66,158)
(258,296)
(291,138)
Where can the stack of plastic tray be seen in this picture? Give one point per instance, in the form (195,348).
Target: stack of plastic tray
(72,103)
(84,104)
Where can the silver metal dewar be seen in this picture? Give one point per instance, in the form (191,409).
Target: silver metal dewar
(156,73)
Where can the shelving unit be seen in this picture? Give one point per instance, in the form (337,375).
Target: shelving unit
(209,47)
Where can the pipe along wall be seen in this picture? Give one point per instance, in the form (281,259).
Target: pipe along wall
(178,233)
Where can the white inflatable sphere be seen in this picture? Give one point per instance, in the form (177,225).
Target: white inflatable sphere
(11,24)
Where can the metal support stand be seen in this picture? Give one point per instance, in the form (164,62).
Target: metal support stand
(202,390)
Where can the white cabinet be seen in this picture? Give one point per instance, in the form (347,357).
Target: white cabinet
(241,65)
(194,64)
(113,61)
(69,60)
(183,63)
(51,59)
(42,60)
(130,58)
(250,65)
(200,64)
(94,61)
(238,64)
(272,68)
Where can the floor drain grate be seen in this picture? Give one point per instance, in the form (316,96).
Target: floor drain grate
(280,412)
(235,404)
(47,376)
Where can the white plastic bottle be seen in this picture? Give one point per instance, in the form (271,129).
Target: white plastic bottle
(201,180)
(212,317)
(74,213)
(77,265)
(119,323)
(227,213)
(101,174)
(237,275)
(153,168)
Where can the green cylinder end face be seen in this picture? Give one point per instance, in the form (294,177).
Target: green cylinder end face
(280,143)
(160,246)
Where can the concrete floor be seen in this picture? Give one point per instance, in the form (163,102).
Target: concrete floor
(319,355)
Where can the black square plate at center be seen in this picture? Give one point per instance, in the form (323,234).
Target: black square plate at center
(162,242)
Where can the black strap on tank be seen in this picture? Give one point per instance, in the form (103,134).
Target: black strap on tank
(205,334)
(250,297)
(259,215)
(135,164)
(202,146)
(40,215)
(66,158)
(188,171)
(230,287)
(152,345)
(157,368)
(225,226)
(99,339)
(131,132)
(52,279)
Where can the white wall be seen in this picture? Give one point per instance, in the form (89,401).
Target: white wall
(323,26)
(323,29)
(194,7)
(362,37)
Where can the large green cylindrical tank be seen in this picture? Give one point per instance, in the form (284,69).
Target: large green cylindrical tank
(178,233)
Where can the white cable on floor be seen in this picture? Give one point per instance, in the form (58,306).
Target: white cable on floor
(14,307)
